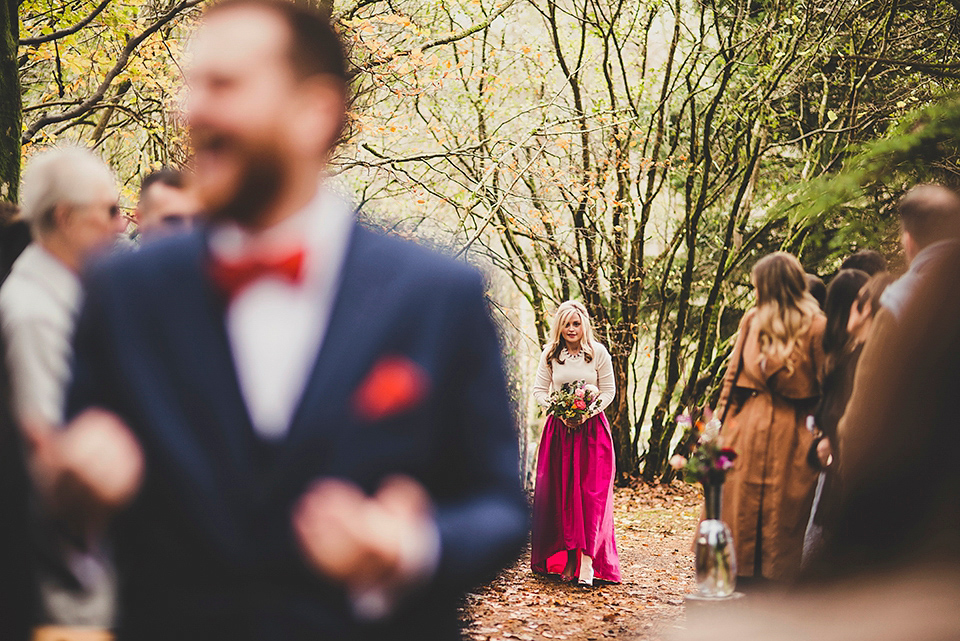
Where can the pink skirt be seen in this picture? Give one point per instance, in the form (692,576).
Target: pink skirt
(573,499)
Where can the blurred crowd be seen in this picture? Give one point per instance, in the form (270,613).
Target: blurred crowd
(843,502)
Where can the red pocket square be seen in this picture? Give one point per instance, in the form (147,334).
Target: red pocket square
(395,384)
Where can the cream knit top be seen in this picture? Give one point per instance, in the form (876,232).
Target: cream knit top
(598,371)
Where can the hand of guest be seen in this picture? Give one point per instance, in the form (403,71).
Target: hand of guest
(357,540)
(571,423)
(824,452)
(89,469)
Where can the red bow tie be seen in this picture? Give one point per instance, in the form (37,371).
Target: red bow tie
(232,276)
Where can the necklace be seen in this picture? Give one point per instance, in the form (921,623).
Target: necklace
(577,354)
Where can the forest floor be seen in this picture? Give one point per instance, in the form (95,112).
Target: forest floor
(654,529)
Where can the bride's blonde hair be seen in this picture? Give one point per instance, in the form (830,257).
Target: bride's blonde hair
(785,309)
(564,313)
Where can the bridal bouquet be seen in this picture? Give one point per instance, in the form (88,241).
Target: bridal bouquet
(710,461)
(574,402)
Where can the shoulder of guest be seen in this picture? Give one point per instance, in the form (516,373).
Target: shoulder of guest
(819,324)
(158,259)
(23,301)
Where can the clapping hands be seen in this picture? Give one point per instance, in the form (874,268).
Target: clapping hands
(364,542)
(88,470)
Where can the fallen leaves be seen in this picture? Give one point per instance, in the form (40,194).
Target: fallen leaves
(654,526)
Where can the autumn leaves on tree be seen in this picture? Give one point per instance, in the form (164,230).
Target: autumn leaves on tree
(633,154)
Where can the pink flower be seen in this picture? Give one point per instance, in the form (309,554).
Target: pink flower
(723,463)
(578,392)
(683,421)
(678,462)
(579,404)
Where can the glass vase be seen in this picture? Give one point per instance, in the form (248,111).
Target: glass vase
(716,561)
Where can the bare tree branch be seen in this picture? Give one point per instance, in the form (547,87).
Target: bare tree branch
(122,60)
(445,40)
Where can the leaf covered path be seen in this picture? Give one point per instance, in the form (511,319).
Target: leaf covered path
(654,528)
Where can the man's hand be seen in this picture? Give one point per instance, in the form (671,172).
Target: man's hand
(360,541)
(92,468)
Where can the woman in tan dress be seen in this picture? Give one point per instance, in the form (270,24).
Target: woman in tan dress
(771,386)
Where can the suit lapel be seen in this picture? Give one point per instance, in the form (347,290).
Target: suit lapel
(348,345)
(208,362)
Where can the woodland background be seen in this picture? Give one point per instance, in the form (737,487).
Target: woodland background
(637,154)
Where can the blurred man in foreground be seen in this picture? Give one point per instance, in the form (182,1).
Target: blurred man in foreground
(70,202)
(322,412)
(166,204)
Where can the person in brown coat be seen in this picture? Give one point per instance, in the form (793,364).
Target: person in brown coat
(771,385)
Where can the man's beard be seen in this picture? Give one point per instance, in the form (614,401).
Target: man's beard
(261,180)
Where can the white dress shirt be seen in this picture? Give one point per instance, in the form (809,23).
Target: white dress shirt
(39,302)
(896,296)
(276,327)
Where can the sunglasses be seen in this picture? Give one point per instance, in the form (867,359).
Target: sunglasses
(177,221)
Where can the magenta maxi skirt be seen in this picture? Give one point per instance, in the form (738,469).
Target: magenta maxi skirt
(573,499)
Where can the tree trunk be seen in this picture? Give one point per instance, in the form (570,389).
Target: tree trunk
(11,114)
(618,414)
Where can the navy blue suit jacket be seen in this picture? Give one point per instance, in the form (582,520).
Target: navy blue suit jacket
(206,550)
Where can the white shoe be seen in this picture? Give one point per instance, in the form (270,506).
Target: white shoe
(586,570)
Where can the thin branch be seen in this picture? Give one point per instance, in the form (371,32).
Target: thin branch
(348,12)
(939,69)
(452,37)
(56,35)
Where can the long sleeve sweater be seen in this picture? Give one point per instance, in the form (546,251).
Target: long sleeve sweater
(599,371)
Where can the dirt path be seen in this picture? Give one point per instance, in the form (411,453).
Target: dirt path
(654,526)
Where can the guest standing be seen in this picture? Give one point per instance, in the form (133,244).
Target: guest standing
(816,288)
(573,501)
(841,352)
(770,387)
(70,202)
(929,228)
(167,205)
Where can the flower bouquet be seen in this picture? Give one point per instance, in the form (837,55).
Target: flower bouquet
(574,402)
(709,462)
(715,559)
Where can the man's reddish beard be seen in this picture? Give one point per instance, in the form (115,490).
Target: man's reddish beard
(260,181)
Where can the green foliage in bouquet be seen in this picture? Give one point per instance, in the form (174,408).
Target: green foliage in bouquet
(574,402)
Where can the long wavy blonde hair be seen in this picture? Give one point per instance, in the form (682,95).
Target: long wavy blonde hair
(566,311)
(785,309)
